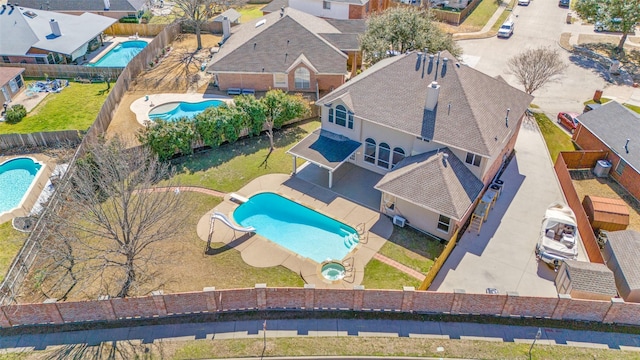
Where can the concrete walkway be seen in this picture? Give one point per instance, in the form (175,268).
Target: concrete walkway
(309,328)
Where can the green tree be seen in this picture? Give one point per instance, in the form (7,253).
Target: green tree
(402,29)
(280,107)
(195,13)
(625,14)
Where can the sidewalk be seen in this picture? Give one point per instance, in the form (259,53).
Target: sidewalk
(253,329)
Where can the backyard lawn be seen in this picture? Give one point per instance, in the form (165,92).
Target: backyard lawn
(10,243)
(74,108)
(556,139)
(250,12)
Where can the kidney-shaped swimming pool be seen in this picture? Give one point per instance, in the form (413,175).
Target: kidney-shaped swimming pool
(16,176)
(296,227)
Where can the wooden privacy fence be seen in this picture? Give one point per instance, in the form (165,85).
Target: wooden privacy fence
(24,260)
(437,265)
(50,138)
(126,29)
(261,297)
(66,71)
(584,226)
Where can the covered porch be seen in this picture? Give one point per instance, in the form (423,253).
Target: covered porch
(324,149)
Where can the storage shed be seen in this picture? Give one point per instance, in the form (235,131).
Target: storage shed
(606,214)
(585,280)
(621,253)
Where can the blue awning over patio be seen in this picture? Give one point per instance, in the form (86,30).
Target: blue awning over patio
(326,149)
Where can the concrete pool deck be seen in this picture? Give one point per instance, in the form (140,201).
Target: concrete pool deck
(260,252)
(143,105)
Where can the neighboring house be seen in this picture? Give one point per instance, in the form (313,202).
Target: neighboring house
(11,83)
(289,50)
(331,9)
(111,8)
(585,280)
(437,130)
(614,128)
(621,253)
(33,36)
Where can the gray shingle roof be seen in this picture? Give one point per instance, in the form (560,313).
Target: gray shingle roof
(344,42)
(278,43)
(325,148)
(625,247)
(9,73)
(232,14)
(36,32)
(427,180)
(83,5)
(591,277)
(471,110)
(614,123)
(275,5)
(351,26)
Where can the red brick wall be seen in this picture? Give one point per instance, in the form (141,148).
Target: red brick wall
(264,82)
(357,12)
(493,169)
(629,179)
(409,300)
(382,299)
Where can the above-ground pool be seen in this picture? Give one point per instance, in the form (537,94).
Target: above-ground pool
(297,228)
(121,54)
(16,176)
(176,110)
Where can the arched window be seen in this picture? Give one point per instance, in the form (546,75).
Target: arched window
(384,151)
(302,78)
(341,115)
(370,150)
(398,155)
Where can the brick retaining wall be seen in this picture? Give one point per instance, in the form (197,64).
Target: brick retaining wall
(260,297)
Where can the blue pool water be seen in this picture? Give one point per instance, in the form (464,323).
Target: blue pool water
(176,110)
(121,54)
(16,176)
(297,228)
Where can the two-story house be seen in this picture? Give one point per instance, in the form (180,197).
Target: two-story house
(331,9)
(438,131)
(115,9)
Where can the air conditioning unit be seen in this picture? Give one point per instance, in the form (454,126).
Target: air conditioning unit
(399,220)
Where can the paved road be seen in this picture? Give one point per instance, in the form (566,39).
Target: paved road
(324,327)
(541,24)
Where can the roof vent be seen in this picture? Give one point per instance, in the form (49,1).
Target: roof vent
(55,27)
(506,119)
(445,159)
(30,14)
(261,22)
(282,11)
(107,5)
(418,60)
(443,72)
(626,146)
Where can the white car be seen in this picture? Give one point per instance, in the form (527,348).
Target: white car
(524,2)
(506,30)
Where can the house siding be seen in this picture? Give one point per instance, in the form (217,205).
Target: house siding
(630,179)
(264,82)
(422,218)
(315,7)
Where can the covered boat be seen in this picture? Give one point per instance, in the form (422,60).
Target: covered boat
(558,236)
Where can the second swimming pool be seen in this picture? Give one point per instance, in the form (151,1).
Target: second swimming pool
(16,177)
(121,54)
(176,110)
(296,227)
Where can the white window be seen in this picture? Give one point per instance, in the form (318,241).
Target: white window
(621,166)
(473,159)
(370,151)
(384,151)
(444,223)
(342,117)
(326,5)
(302,78)
(398,155)
(280,80)
(13,85)
(330,115)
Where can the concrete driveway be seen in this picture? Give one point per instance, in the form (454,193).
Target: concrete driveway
(502,255)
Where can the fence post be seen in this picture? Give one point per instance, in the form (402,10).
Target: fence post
(52,310)
(107,307)
(561,306)
(210,296)
(612,314)
(458,294)
(4,320)
(261,296)
(158,300)
(407,298)
(358,297)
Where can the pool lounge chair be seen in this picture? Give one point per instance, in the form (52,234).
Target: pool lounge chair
(234,91)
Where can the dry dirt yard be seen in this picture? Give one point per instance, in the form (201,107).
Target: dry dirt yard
(587,184)
(178,72)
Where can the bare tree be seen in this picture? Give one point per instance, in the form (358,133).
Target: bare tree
(535,67)
(110,221)
(195,13)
